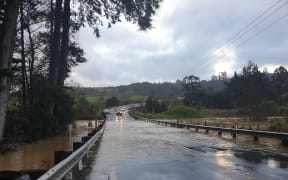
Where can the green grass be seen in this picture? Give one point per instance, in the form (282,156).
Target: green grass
(96,99)
(92,99)
(137,98)
(220,112)
(179,111)
(132,99)
(174,112)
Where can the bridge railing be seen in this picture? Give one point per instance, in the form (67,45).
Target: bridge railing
(61,169)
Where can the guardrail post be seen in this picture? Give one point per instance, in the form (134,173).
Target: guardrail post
(85,138)
(70,130)
(207,131)
(75,171)
(256,138)
(77,145)
(96,123)
(233,135)
(91,133)
(220,133)
(60,155)
(284,142)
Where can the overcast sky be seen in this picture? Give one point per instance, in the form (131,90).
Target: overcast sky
(189,37)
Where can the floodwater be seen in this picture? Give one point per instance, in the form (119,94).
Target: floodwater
(40,155)
(137,150)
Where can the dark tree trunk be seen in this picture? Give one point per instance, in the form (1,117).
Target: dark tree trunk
(51,18)
(7,42)
(31,65)
(64,45)
(55,52)
(23,66)
(32,51)
(55,48)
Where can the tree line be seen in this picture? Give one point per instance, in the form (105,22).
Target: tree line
(38,48)
(254,93)
(164,89)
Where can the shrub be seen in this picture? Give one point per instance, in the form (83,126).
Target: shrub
(35,121)
(284,110)
(279,125)
(179,111)
(268,108)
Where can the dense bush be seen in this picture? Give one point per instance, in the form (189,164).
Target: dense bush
(155,105)
(36,122)
(113,101)
(180,111)
(279,125)
(283,110)
(83,109)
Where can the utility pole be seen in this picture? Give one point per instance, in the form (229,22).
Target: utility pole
(153,110)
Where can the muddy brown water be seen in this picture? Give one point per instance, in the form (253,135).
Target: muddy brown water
(40,154)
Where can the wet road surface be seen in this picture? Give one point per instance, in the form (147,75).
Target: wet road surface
(137,150)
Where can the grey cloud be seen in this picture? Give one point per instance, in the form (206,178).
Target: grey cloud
(184,33)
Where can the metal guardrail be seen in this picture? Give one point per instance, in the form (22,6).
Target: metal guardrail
(61,169)
(278,135)
(256,133)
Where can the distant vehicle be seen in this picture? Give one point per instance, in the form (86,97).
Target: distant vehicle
(118,113)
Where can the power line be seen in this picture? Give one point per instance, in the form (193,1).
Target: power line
(264,19)
(244,30)
(254,20)
(262,30)
(251,28)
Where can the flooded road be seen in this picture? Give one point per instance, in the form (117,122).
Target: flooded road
(137,150)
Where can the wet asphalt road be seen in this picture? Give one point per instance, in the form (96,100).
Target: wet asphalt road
(137,150)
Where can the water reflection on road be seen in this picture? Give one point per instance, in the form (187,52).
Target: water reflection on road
(136,150)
